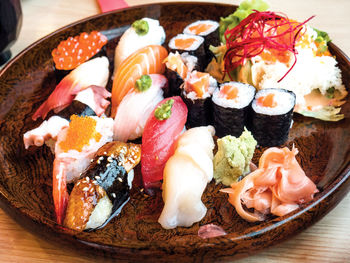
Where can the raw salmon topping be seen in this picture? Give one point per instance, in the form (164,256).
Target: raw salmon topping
(76,50)
(229,92)
(80,131)
(200,28)
(267,101)
(184,43)
(198,82)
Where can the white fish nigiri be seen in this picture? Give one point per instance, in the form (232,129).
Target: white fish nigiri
(186,175)
(133,40)
(135,109)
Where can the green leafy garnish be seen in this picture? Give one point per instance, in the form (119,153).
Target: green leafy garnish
(322,41)
(141,27)
(327,113)
(163,111)
(243,11)
(330,93)
(143,83)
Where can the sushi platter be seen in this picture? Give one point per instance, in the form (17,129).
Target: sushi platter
(190,130)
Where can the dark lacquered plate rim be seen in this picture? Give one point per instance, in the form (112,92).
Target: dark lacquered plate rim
(331,195)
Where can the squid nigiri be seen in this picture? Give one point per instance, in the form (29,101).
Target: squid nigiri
(93,72)
(161,131)
(186,175)
(76,145)
(147,60)
(104,187)
(137,106)
(143,32)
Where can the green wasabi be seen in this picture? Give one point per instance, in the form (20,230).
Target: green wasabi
(143,83)
(233,157)
(141,27)
(163,111)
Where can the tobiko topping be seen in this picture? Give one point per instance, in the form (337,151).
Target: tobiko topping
(80,131)
(74,51)
(163,111)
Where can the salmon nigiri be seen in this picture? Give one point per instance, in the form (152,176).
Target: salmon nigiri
(147,60)
(161,131)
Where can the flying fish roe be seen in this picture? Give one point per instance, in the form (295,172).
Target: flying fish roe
(80,131)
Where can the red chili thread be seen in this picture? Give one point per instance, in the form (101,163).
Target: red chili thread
(257,32)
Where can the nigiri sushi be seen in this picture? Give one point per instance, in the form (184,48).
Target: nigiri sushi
(104,187)
(92,72)
(161,131)
(143,32)
(76,145)
(186,175)
(147,60)
(137,106)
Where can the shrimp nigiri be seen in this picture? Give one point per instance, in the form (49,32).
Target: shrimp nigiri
(137,106)
(147,60)
(76,145)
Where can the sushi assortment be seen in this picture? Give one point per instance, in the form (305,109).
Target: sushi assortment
(175,106)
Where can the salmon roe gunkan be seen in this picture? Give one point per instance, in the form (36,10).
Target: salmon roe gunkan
(74,51)
(80,131)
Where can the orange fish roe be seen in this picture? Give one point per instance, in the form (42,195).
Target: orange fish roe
(197,29)
(184,43)
(76,50)
(80,131)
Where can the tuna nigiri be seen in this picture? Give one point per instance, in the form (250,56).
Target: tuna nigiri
(147,60)
(186,175)
(278,186)
(75,147)
(143,32)
(137,106)
(93,72)
(161,131)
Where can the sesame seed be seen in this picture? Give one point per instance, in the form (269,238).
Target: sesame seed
(91,160)
(87,179)
(104,153)
(141,190)
(78,183)
(100,158)
(114,195)
(110,159)
(95,182)
(112,155)
(120,179)
(85,189)
(108,164)
(97,177)
(98,161)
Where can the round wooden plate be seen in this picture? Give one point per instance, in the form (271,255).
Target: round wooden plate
(25,175)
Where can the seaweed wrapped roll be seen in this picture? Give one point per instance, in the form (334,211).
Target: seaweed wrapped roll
(231,106)
(104,187)
(197,91)
(192,44)
(272,112)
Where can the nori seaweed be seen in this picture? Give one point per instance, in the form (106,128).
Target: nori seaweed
(199,111)
(113,179)
(229,121)
(211,39)
(174,83)
(271,130)
(77,108)
(199,53)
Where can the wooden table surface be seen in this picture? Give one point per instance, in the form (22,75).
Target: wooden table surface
(326,241)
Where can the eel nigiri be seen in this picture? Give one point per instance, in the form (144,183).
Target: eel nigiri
(76,145)
(143,32)
(278,186)
(92,72)
(147,60)
(159,137)
(104,187)
(137,106)
(186,175)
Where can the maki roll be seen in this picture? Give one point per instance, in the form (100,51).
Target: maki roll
(176,69)
(209,30)
(272,112)
(104,187)
(192,44)
(231,106)
(196,93)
